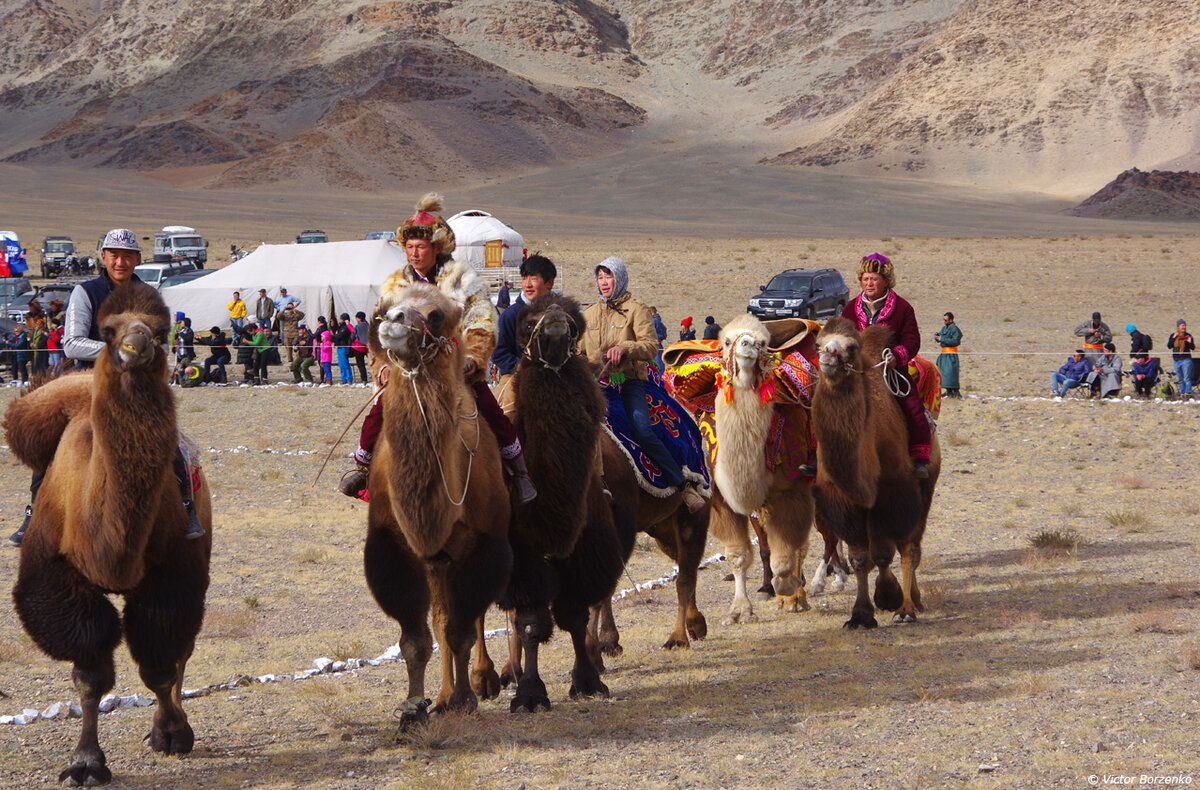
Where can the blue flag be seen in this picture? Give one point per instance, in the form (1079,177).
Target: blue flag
(16,257)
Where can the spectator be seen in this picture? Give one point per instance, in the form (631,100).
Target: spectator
(1145,375)
(1182,345)
(185,341)
(260,342)
(289,321)
(58,311)
(342,335)
(537,279)
(1071,374)
(1139,343)
(38,355)
(949,337)
(218,354)
(1095,334)
(304,356)
(285,299)
(20,354)
(502,298)
(318,334)
(54,346)
(237,317)
(712,329)
(1105,377)
(685,330)
(359,344)
(245,354)
(660,331)
(264,309)
(326,355)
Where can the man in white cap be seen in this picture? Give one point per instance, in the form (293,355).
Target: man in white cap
(119,254)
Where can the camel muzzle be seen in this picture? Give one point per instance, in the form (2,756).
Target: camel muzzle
(137,346)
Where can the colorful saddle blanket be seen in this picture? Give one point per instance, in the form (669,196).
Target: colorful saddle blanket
(670,422)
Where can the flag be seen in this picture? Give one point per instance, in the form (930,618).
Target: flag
(16,257)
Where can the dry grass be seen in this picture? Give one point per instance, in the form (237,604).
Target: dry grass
(1056,542)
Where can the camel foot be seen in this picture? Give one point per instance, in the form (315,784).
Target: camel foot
(611,647)
(740,612)
(531,696)
(90,772)
(858,620)
(177,740)
(888,594)
(796,602)
(509,675)
(485,683)
(413,712)
(764,593)
(584,684)
(697,627)
(464,702)
(676,640)
(905,617)
(835,583)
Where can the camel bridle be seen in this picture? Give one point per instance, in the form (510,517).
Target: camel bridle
(731,368)
(535,340)
(428,347)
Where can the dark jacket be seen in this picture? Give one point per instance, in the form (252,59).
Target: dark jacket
(1076,371)
(1139,342)
(217,344)
(508,354)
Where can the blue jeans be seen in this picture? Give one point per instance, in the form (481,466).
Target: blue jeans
(1066,383)
(1183,369)
(633,395)
(344,370)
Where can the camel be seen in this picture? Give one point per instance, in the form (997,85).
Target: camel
(865,490)
(108,519)
(744,483)
(567,555)
(437,522)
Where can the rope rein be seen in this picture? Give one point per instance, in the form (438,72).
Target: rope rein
(473,416)
(896,382)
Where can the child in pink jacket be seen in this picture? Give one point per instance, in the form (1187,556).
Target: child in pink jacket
(326,355)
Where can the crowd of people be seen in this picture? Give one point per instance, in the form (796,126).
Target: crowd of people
(1097,367)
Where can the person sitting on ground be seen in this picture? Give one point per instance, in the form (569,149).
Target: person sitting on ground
(880,304)
(1105,378)
(712,330)
(428,242)
(1182,345)
(686,332)
(1146,370)
(537,279)
(1071,374)
(620,339)
(218,354)
(303,359)
(1095,334)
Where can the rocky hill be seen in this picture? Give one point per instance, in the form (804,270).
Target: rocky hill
(1000,93)
(1160,194)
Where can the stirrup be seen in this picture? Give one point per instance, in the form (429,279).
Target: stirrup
(16,538)
(353,481)
(194,529)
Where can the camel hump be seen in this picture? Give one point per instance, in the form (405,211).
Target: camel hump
(788,333)
(875,339)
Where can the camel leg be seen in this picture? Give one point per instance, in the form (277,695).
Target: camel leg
(484,680)
(862,614)
(445,658)
(733,531)
(767,591)
(787,520)
(534,627)
(693,536)
(585,677)
(888,594)
(512,670)
(607,633)
(397,580)
(910,557)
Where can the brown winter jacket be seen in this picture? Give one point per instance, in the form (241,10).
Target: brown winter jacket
(628,324)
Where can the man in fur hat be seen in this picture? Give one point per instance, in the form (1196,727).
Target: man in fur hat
(428,242)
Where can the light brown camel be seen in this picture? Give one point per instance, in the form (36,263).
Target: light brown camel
(743,482)
(866,491)
(108,519)
(566,552)
(437,533)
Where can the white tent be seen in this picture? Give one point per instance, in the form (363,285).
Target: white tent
(330,279)
(485,242)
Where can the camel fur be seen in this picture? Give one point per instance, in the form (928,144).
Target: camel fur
(437,523)
(743,482)
(865,490)
(567,555)
(109,519)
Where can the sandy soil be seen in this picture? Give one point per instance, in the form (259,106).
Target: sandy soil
(1027,670)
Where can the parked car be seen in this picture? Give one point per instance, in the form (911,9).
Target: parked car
(12,287)
(18,307)
(183,277)
(57,251)
(312,237)
(801,293)
(153,273)
(386,235)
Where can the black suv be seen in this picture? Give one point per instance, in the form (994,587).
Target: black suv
(801,293)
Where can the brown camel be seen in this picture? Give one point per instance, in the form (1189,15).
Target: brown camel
(437,534)
(566,552)
(866,491)
(108,519)
(744,483)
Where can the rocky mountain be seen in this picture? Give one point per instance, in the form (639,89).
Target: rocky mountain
(1134,193)
(1012,94)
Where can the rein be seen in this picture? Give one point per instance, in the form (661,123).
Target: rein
(892,377)
(374,394)
(536,335)
(473,416)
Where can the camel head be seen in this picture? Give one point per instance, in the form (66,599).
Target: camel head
(413,324)
(744,355)
(133,323)
(549,329)
(838,346)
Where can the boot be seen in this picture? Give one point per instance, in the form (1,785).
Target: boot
(354,481)
(194,529)
(16,538)
(920,470)
(809,469)
(520,477)
(691,497)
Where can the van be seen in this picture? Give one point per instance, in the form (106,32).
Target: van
(153,273)
(179,242)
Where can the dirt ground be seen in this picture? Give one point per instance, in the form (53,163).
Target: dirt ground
(1028,669)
